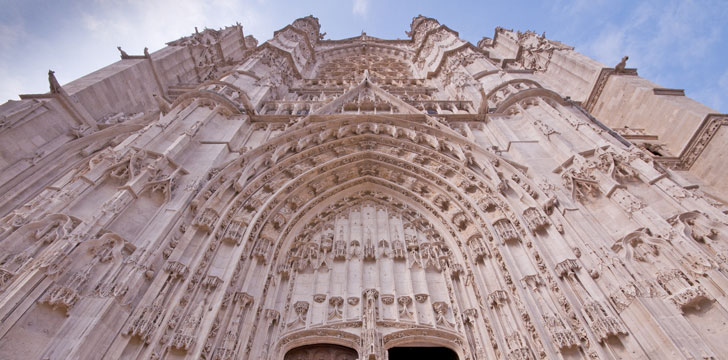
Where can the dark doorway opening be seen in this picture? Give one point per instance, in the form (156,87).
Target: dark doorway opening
(422,353)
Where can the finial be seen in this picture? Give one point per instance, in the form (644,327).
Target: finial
(146,51)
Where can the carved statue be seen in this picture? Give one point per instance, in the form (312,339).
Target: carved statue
(621,66)
(53,82)
(164,106)
(123,53)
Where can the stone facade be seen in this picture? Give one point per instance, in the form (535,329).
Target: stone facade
(333,199)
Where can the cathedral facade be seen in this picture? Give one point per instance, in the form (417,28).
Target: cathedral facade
(362,199)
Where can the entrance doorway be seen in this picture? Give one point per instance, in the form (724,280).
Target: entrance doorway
(422,353)
(321,352)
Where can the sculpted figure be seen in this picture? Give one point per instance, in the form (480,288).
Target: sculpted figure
(124,55)
(163,104)
(620,67)
(55,86)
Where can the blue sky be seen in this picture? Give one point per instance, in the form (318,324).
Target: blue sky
(675,43)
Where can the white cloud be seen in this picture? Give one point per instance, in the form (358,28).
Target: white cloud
(361,7)
(609,46)
(103,25)
(657,35)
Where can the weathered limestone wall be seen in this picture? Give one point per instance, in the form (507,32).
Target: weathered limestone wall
(43,124)
(619,99)
(631,101)
(571,73)
(711,167)
(111,95)
(125,86)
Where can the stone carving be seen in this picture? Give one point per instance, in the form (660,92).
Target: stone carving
(603,324)
(404,307)
(421,298)
(622,64)
(164,106)
(207,219)
(441,308)
(301,312)
(336,307)
(567,267)
(535,219)
(497,298)
(690,297)
(561,335)
(505,230)
(123,53)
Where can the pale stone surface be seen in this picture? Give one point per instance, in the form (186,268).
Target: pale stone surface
(333,199)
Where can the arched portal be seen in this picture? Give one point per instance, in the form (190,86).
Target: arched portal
(375,230)
(321,352)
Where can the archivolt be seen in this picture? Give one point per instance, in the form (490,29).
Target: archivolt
(305,337)
(187,98)
(503,96)
(460,190)
(432,169)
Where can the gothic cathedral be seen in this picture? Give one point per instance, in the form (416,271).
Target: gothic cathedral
(362,198)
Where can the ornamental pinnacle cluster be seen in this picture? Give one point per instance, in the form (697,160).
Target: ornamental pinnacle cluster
(362,199)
